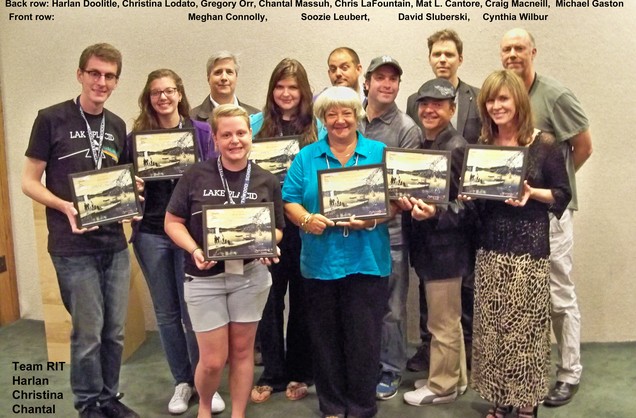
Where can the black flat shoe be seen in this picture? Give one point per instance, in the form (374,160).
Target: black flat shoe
(561,394)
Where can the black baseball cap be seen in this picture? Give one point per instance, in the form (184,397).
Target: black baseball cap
(437,88)
(378,62)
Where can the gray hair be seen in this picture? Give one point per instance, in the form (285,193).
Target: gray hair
(339,96)
(219,56)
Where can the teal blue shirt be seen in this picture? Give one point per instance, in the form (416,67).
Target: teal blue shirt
(331,255)
(256,123)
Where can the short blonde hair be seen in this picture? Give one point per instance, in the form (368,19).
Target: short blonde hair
(228,111)
(338,96)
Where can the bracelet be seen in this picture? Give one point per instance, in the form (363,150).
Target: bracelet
(304,221)
(195,249)
(375,223)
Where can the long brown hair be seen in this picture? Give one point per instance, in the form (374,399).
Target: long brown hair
(304,123)
(490,89)
(147,118)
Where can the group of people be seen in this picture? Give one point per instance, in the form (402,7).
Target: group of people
(493,274)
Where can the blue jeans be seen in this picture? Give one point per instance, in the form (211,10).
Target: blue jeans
(94,290)
(161,262)
(393,354)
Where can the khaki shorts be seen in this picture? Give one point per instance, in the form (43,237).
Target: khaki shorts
(215,301)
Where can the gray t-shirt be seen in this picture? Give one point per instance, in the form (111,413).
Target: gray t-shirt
(557,111)
(395,129)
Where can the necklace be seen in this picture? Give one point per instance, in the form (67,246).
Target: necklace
(344,153)
(341,155)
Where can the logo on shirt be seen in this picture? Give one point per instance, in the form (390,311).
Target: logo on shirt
(221,193)
(94,135)
(77,134)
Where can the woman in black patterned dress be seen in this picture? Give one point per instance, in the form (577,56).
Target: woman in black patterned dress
(511,346)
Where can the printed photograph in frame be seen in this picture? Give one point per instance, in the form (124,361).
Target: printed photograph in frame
(423,174)
(164,154)
(275,154)
(234,232)
(360,191)
(104,196)
(492,172)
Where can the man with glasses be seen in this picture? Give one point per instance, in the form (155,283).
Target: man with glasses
(222,70)
(92,265)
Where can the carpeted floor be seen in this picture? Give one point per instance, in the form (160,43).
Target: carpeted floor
(609,376)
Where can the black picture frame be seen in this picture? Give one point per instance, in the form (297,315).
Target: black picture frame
(493,172)
(418,173)
(359,190)
(275,154)
(235,232)
(164,154)
(105,196)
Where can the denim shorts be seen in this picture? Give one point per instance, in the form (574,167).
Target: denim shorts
(215,301)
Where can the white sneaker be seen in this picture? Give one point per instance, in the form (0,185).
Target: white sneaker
(218,405)
(419,383)
(424,396)
(179,402)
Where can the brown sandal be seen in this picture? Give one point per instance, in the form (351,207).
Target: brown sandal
(261,394)
(296,391)
(533,413)
(499,411)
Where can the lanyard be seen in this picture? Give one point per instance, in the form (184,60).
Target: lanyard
(227,187)
(96,145)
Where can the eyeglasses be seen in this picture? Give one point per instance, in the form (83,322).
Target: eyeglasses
(96,75)
(169,92)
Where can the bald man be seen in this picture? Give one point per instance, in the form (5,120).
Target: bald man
(344,69)
(558,111)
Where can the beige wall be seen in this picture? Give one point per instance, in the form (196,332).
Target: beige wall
(589,49)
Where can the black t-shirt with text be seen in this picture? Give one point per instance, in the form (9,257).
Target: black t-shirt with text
(201,185)
(60,138)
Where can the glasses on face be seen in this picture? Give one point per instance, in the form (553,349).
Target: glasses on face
(169,92)
(96,75)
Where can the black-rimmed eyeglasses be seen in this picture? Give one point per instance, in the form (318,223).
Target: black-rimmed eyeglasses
(96,75)
(169,92)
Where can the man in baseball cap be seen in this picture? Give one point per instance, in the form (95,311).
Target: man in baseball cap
(437,236)
(386,123)
(445,57)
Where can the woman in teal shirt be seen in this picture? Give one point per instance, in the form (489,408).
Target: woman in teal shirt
(346,263)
